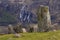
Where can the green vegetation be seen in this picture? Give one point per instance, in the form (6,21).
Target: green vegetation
(33,36)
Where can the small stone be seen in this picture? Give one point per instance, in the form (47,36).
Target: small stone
(17,35)
(54,30)
(24,30)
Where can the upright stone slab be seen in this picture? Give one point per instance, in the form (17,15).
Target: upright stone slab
(10,29)
(34,27)
(44,21)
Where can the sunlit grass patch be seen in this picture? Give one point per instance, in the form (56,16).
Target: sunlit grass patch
(33,36)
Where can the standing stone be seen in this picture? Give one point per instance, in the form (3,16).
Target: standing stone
(44,21)
(10,29)
(18,29)
(34,27)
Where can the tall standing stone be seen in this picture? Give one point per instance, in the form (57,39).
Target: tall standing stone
(44,21)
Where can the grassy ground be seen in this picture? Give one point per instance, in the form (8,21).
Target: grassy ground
(33,36)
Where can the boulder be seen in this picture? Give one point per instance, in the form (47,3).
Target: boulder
(24,30)
(17,35)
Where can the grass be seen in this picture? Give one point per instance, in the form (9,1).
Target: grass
(33,36)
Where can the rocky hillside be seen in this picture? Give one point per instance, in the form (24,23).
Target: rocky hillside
(10,10)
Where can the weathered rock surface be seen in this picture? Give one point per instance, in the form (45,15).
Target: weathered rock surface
(44,20)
